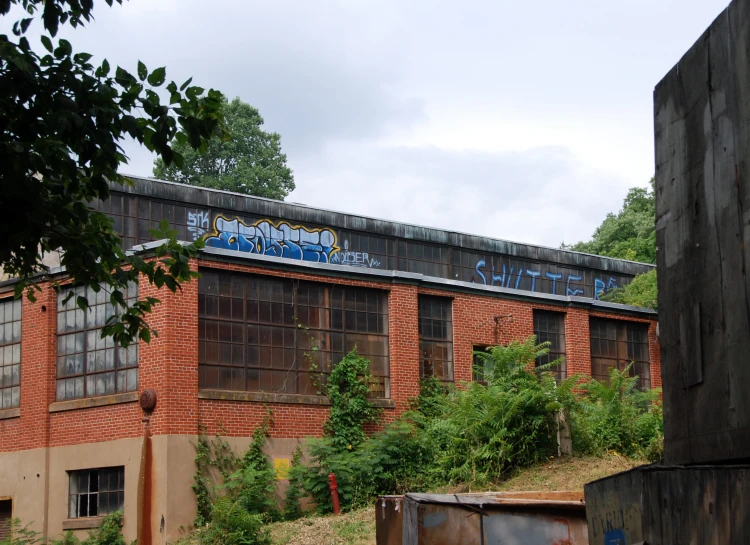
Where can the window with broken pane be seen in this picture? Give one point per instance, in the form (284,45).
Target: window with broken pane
(10,353)
(96,492)
(87,364)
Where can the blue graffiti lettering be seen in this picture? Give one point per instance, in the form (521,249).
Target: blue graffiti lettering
(554,278)
(520,275)
(573,291)
(534,275)
(499,279)
(478,268)
(599,287)
(278,240)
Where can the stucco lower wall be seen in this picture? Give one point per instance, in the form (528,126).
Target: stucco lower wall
(37,481)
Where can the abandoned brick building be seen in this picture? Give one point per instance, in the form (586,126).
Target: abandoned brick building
(415,301)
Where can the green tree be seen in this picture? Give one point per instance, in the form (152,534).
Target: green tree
(62,122)
(641,292)
(249,162)
(629,234)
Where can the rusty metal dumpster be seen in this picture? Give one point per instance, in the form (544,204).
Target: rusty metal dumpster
(492,518)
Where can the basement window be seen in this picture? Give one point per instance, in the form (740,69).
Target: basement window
(6,518)
(96,492)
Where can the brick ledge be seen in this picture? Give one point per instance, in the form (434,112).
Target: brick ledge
(10,413)
(85,403)
(268,397)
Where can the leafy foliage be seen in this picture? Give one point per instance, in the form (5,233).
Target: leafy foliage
(62,121)
(617,417)
(108,533)
(348,388)
(234,495)
(232,525)
(252,484)
(249,162)
(641,292)
(629,234)
(292,507)
(474,434)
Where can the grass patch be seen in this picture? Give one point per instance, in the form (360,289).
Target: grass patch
(356,528)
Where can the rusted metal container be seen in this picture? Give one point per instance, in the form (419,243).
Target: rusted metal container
(528,518)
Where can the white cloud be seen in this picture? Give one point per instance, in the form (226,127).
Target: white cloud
(521,120)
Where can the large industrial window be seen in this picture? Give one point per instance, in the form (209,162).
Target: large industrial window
(87,364)
(550,327)
(616,344)
(10,353)
(280,335)
(96,492)
(436,337)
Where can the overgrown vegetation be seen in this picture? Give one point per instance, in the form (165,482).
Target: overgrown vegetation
(617,417)
(108,533)
(235,495)
(475,434)
(471,436)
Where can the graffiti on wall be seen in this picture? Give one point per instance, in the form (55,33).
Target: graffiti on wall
(510,278)
(354,259)
(278,239)
(197,223)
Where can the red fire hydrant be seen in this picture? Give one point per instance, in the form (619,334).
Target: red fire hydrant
(333,485)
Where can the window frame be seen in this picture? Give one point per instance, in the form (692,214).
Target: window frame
(302,315)
(475,362)
(99,303)
(625,331)
(427,356)
(561,371)
(11,349)
(74,507)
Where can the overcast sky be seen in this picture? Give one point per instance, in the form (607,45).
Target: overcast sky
(522,120)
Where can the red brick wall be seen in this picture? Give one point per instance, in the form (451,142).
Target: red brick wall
(169,364)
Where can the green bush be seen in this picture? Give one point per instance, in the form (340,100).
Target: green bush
(231,524)
(292,507)
(616,416)
(253,483)
(235,495)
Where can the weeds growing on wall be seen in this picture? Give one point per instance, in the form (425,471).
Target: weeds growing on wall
(348,389)
(235,495)
(292,507)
